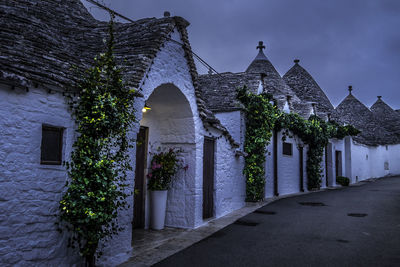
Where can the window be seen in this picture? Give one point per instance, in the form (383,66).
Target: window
(51,148)
(287,149)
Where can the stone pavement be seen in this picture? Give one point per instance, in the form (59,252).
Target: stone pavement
(151,246)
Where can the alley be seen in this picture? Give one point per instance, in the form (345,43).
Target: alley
(354,226)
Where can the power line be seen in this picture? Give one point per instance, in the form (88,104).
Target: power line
(202,61)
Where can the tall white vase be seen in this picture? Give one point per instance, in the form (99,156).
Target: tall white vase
(158,205)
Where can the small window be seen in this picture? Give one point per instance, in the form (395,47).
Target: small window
(51,148)
(287,149)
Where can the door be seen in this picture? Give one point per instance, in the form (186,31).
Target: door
(208,178)
(338,163)
(301,153)
(139,196)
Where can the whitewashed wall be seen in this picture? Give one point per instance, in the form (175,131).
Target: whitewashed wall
(29,191)
(234,123)
(288,167)
(394,159)
(230,183)
(335,145)
(169,128)
(269,170)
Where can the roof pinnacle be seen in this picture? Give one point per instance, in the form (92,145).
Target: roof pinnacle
(296,61)
(379,97)
(260,46)
(350,89)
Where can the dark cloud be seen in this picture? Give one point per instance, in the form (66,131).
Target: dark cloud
(339,42)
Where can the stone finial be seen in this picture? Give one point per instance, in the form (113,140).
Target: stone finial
(260,46)
(379,97)
(350,89)
(314,108)
(296,61)
(167,14)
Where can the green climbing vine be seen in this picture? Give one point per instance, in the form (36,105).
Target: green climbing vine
(262,116)
(99,162)
(260,121)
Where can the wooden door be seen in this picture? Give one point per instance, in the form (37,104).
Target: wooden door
(139,197)
(338,163)
(301,153)
(208,178)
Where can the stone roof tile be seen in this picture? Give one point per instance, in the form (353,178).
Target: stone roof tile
(352,111)
(307,89)
(41,40)
(389,118)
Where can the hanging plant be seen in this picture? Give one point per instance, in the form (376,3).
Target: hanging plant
(99,162)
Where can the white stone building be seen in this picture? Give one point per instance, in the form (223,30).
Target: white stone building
(37,130)
(200,115)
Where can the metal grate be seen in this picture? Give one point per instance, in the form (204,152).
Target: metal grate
(246,222)
(357,214)
(265,212)
(313,204)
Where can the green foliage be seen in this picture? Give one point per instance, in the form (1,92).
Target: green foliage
(344,181)
(261,118)
(164,165)
(99,161)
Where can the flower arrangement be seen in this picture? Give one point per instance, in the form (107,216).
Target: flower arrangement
(164,165)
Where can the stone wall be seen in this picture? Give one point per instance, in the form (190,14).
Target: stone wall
(30,191)
(230,183)
(288,166)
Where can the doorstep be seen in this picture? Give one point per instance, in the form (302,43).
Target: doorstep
(152,246)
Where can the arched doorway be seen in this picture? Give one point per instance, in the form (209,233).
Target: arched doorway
(167,124)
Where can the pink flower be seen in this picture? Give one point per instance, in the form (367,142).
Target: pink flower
(149,175)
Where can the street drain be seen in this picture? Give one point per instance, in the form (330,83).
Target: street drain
(265,212)
(245,223)
(357,214)
(217,234)
(342,240)
(313,204)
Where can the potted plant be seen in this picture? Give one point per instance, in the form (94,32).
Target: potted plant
(164,166)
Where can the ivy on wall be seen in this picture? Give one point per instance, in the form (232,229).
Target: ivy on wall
(262,116)
(99,162)
(260,121)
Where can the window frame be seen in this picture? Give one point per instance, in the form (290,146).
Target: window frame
(60,142)
(291,149)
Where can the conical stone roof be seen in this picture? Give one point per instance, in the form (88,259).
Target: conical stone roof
(307,89)
(273,82)
(352,111)
(389,118)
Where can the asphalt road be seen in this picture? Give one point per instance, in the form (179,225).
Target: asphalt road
(310,230)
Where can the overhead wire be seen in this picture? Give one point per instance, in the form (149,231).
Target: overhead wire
(199,59)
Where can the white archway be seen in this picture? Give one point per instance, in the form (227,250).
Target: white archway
(170,124)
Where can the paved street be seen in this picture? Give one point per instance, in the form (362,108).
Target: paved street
(354,226)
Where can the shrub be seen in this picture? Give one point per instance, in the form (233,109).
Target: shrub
(343,181)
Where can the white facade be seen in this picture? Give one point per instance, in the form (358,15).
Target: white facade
(30,192)
(372,161)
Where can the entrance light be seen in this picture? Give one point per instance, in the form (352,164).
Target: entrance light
(146,108)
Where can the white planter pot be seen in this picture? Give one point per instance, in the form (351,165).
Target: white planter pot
(158,205)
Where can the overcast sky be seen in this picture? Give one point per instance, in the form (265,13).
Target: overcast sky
(339,42)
